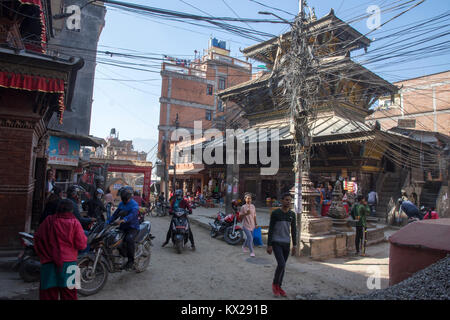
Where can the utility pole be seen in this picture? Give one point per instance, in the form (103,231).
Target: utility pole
(175,156)
(166,176)
(301,88)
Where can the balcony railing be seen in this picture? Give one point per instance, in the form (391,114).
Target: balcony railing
(183,70)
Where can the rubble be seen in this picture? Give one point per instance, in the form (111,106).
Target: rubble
(431,283)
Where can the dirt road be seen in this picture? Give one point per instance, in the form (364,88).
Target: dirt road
(218,271)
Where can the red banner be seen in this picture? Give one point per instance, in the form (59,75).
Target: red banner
(43,31)
(34,83)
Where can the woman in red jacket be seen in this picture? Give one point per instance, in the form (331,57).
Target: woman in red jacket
(57,242)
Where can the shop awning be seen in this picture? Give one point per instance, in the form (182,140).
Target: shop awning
(40,72)
(84,140)
(182,172)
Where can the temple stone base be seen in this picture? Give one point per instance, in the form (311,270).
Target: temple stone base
(318,247)
(376,234)
(316,226)
(336,244)
(341,225)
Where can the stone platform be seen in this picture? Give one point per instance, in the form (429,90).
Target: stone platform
(337,243)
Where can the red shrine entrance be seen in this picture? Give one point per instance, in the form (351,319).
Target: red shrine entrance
(129,166)
(147,171)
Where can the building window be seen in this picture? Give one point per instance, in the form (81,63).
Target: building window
(220,106)
(209,90)
(222,83)
(208,115)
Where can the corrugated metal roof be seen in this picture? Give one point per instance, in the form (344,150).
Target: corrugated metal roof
(334,127)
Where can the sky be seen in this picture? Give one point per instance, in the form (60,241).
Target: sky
(128,100)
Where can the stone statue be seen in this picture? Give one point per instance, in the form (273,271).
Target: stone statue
(337,210)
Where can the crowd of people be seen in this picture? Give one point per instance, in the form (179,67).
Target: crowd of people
(62,233)
(62,224)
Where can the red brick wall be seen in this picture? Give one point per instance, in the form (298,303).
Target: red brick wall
(16,165)
(196,92)
(16,160)
(418,98)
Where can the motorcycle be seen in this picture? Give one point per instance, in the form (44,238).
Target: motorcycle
(27,262)
(180,229)
(227,224)
(192,203)
(108,254)
(143,212)
(160,209)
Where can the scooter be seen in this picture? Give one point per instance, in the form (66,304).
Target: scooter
(27,262)
(180,229)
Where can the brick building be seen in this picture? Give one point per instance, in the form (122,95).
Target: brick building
(122,150)
(422,103)
(33,86)
(188,94)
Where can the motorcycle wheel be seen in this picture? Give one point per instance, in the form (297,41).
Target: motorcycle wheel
(179,247)
(213,233)
(26,275)
(144,260)
(153,212)
(91,284)
(231,238)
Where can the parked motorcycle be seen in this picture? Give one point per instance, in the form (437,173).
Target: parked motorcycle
(27,262)
(180,229)
(192,203)
(108,254)
(227,224)
(160,209)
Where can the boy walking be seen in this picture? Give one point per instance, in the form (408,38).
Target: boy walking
(361,212)
(282,226)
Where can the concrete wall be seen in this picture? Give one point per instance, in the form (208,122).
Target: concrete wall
(91,24)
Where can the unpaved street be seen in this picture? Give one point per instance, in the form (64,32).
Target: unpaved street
(217,271)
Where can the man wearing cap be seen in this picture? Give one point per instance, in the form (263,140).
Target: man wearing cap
(95,207)
(72,194)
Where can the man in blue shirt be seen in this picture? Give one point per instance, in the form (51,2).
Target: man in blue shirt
(410,209)
(129,223)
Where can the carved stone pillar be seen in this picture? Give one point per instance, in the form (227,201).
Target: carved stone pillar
(337,211)
(314,228)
